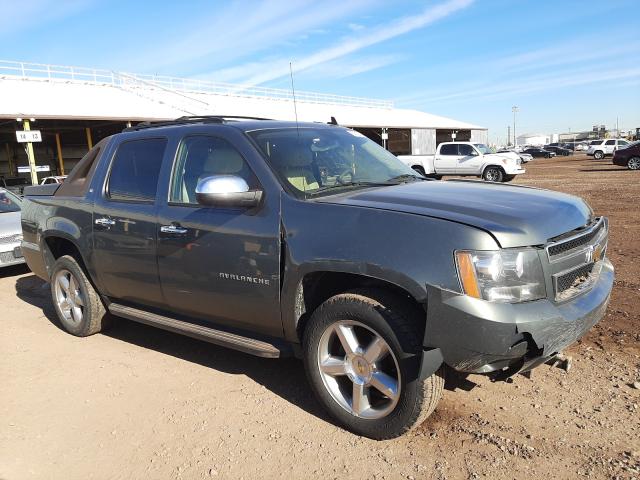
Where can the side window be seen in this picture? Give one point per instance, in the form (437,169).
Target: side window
(449,149)
(466,150)
(201,156)
(135,170)
(610,142)
(622,142)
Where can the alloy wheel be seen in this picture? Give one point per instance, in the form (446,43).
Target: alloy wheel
(634,163)
(359,369)
(69,297)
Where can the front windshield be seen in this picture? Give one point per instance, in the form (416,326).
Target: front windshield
(8,202)
(327,160)
(483,148)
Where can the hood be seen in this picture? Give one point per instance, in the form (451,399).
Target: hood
(10,223)
(515,216)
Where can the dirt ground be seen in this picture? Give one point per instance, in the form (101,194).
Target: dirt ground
(137,402)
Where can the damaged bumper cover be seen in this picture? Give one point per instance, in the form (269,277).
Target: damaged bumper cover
(475,336)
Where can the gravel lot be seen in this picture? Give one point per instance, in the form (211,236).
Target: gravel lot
(142,403)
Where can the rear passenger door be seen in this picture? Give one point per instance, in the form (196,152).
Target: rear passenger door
(219,264)
(124,223)
(609,147)
(446,161)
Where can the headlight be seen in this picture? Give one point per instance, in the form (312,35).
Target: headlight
(503,276)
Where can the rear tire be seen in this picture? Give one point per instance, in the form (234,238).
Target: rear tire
(493,174)
(78,305)
(598,155)
(508,178)
(633,163)
(420,170)
(371,386)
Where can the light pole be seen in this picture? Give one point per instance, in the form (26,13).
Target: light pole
(515,110)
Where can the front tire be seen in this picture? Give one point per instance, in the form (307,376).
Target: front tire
(78,305)
(362,353)
(493,174)
(598,155)
(633,163)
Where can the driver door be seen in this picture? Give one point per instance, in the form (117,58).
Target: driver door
(219,264)
(469,161)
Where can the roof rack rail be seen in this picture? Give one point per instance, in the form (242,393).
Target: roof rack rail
(190,119)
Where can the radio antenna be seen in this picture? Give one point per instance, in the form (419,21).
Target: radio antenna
(295,107)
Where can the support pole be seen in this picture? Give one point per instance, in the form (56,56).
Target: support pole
(30,155)
(60,160)
(9,159)
(89,139)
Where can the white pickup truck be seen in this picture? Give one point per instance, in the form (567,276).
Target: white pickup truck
(466,158)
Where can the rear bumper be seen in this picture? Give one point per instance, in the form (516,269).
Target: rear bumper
(476,336)
(11,255)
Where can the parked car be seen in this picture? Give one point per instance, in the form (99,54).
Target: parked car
(55,179)
(599,149)
(14,184)
(536,152)
(558,150)
(10,229)
(628,156)
(278,238)
(465,158)
(524,157)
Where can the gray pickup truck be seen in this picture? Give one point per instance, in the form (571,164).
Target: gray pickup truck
(277,238)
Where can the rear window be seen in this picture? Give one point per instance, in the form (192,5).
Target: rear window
(596,142)
(135,170)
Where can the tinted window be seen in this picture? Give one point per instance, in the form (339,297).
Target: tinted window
(596,142)
(135,169)
(449,150)
(466,150)
(610,142)
(622,142)
(201,156)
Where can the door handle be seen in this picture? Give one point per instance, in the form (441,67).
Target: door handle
(105,222)
(174,229)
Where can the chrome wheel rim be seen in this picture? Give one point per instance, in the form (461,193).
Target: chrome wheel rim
(359,369)
(634,163)
(492,175)
(68,297)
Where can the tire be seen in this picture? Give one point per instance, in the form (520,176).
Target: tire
(420,170)
(633,163)
(493,174)
(508,178)
(72,290)
(599,155)
(375,318)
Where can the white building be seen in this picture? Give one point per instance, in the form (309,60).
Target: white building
(75,107)
(533,139)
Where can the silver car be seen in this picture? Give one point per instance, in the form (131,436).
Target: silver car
(10,229)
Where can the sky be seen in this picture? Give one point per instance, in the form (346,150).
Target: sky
(566,64)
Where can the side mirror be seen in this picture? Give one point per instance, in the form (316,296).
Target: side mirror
(226,191)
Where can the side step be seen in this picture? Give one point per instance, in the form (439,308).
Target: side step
(207,334)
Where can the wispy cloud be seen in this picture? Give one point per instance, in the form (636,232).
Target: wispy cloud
(240,29)
(280,68)
(538,83)
(21,16)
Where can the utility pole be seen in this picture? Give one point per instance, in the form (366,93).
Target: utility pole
(515,110)
(508,135)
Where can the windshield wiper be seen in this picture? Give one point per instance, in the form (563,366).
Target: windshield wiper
(405,177)
(338,186)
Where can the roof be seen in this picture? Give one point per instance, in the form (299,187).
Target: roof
(44,92)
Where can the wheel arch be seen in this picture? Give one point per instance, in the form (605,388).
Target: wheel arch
(317,286)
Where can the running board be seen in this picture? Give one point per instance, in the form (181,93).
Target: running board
(207,334)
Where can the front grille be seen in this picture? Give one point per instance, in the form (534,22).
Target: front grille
(7,239)
(574,242)
(573,279)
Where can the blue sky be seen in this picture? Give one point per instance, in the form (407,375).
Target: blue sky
(567,64)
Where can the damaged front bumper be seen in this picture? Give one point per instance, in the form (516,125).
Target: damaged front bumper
(476,336)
